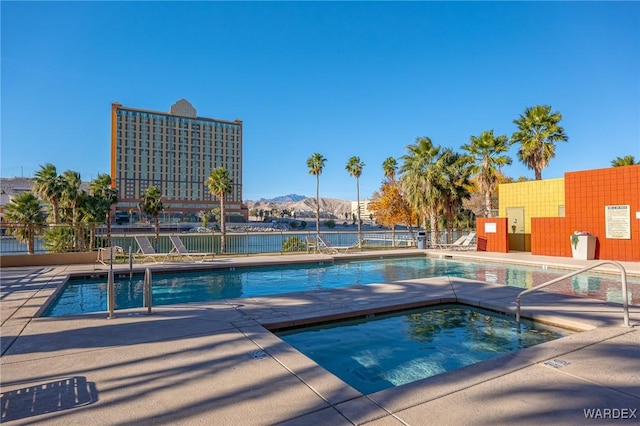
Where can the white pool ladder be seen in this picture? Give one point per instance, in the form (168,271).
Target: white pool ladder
(623,276)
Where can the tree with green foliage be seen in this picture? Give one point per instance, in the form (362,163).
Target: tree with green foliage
(354,167)
(25,218)
(152,205)
(421,177)
(487,154)
(316,164)
(627,160)
(48,186)
(389,167)
(219,184)
(106,197)
(72,198)
(456,184)
(538,132)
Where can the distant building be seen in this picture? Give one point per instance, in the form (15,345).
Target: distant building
(364,209)
(175,152)
(10,187)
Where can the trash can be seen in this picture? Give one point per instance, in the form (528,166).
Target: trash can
(422,240)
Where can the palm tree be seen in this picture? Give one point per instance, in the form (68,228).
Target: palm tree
(101,187)
(354,167)
(151,204)
(421,177)
(627,160)
(48,185)
(72,196)
(316,164)
(538,131)
(219,184)
(455,186)
(26,218)
(486,152)
(93,209)
(389,166)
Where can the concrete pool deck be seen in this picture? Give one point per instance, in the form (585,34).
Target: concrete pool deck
(216,362)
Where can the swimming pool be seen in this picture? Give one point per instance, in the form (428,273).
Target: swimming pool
(391,350)
(89,295)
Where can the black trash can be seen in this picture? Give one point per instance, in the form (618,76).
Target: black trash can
(422,240)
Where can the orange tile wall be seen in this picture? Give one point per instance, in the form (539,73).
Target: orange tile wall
(496,242)
(586,195)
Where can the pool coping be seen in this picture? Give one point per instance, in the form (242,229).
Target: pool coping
(322,397)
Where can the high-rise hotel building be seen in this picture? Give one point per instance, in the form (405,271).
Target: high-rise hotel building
(175,152)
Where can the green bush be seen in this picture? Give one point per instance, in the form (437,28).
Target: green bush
(59,239)
(330,224)
(293,244)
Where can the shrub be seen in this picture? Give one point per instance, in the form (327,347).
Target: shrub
(293,244)
(330,224)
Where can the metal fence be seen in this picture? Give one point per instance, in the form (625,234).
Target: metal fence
(238,243)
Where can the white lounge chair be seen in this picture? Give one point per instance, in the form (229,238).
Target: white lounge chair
(180,250)
(325,245)
(312,244)
(455,244)
(107,255)
(467,243)
(145,249)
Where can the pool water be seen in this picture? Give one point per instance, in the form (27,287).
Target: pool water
(90,295)
(395,349)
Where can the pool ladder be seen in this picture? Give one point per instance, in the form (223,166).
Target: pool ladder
(147,295)
(623,276)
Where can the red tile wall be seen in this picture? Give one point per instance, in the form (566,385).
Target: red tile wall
(495,242)
(586,195)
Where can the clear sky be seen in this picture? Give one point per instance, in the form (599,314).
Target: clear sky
(338,78)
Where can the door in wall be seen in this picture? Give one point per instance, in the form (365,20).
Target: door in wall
(516,229)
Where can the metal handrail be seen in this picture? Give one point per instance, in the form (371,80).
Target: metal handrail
(147,293)
(623,275)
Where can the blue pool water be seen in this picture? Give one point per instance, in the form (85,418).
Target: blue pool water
(89,295)
(395,349)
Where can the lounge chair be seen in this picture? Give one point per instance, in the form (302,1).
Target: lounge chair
(462,243)
(325,245)
(145,249)
(312,244)
(106,255)
(180,250)
(453,245)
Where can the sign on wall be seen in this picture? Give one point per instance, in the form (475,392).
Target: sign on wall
(490,228)
(618,222)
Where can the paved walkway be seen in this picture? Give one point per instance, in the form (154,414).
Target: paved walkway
(216,363)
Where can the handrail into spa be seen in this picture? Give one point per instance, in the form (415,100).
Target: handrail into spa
(623,275)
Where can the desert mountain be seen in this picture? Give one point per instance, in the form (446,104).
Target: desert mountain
(302,207)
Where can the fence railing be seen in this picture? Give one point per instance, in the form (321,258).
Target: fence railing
(241,243)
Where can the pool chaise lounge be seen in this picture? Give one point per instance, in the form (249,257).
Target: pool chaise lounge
(181,251)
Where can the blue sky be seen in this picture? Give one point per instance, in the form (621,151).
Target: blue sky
(338,78)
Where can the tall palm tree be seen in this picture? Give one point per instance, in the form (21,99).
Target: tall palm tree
(25,218)
(316,164)
(93,209)
(101,187)
(72,196)
(627,160)
(48,185)
(354,167)
(455,186)
(487,155)
(538,131)
(421,177)
(389,167)
(219,184)
(151,204)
